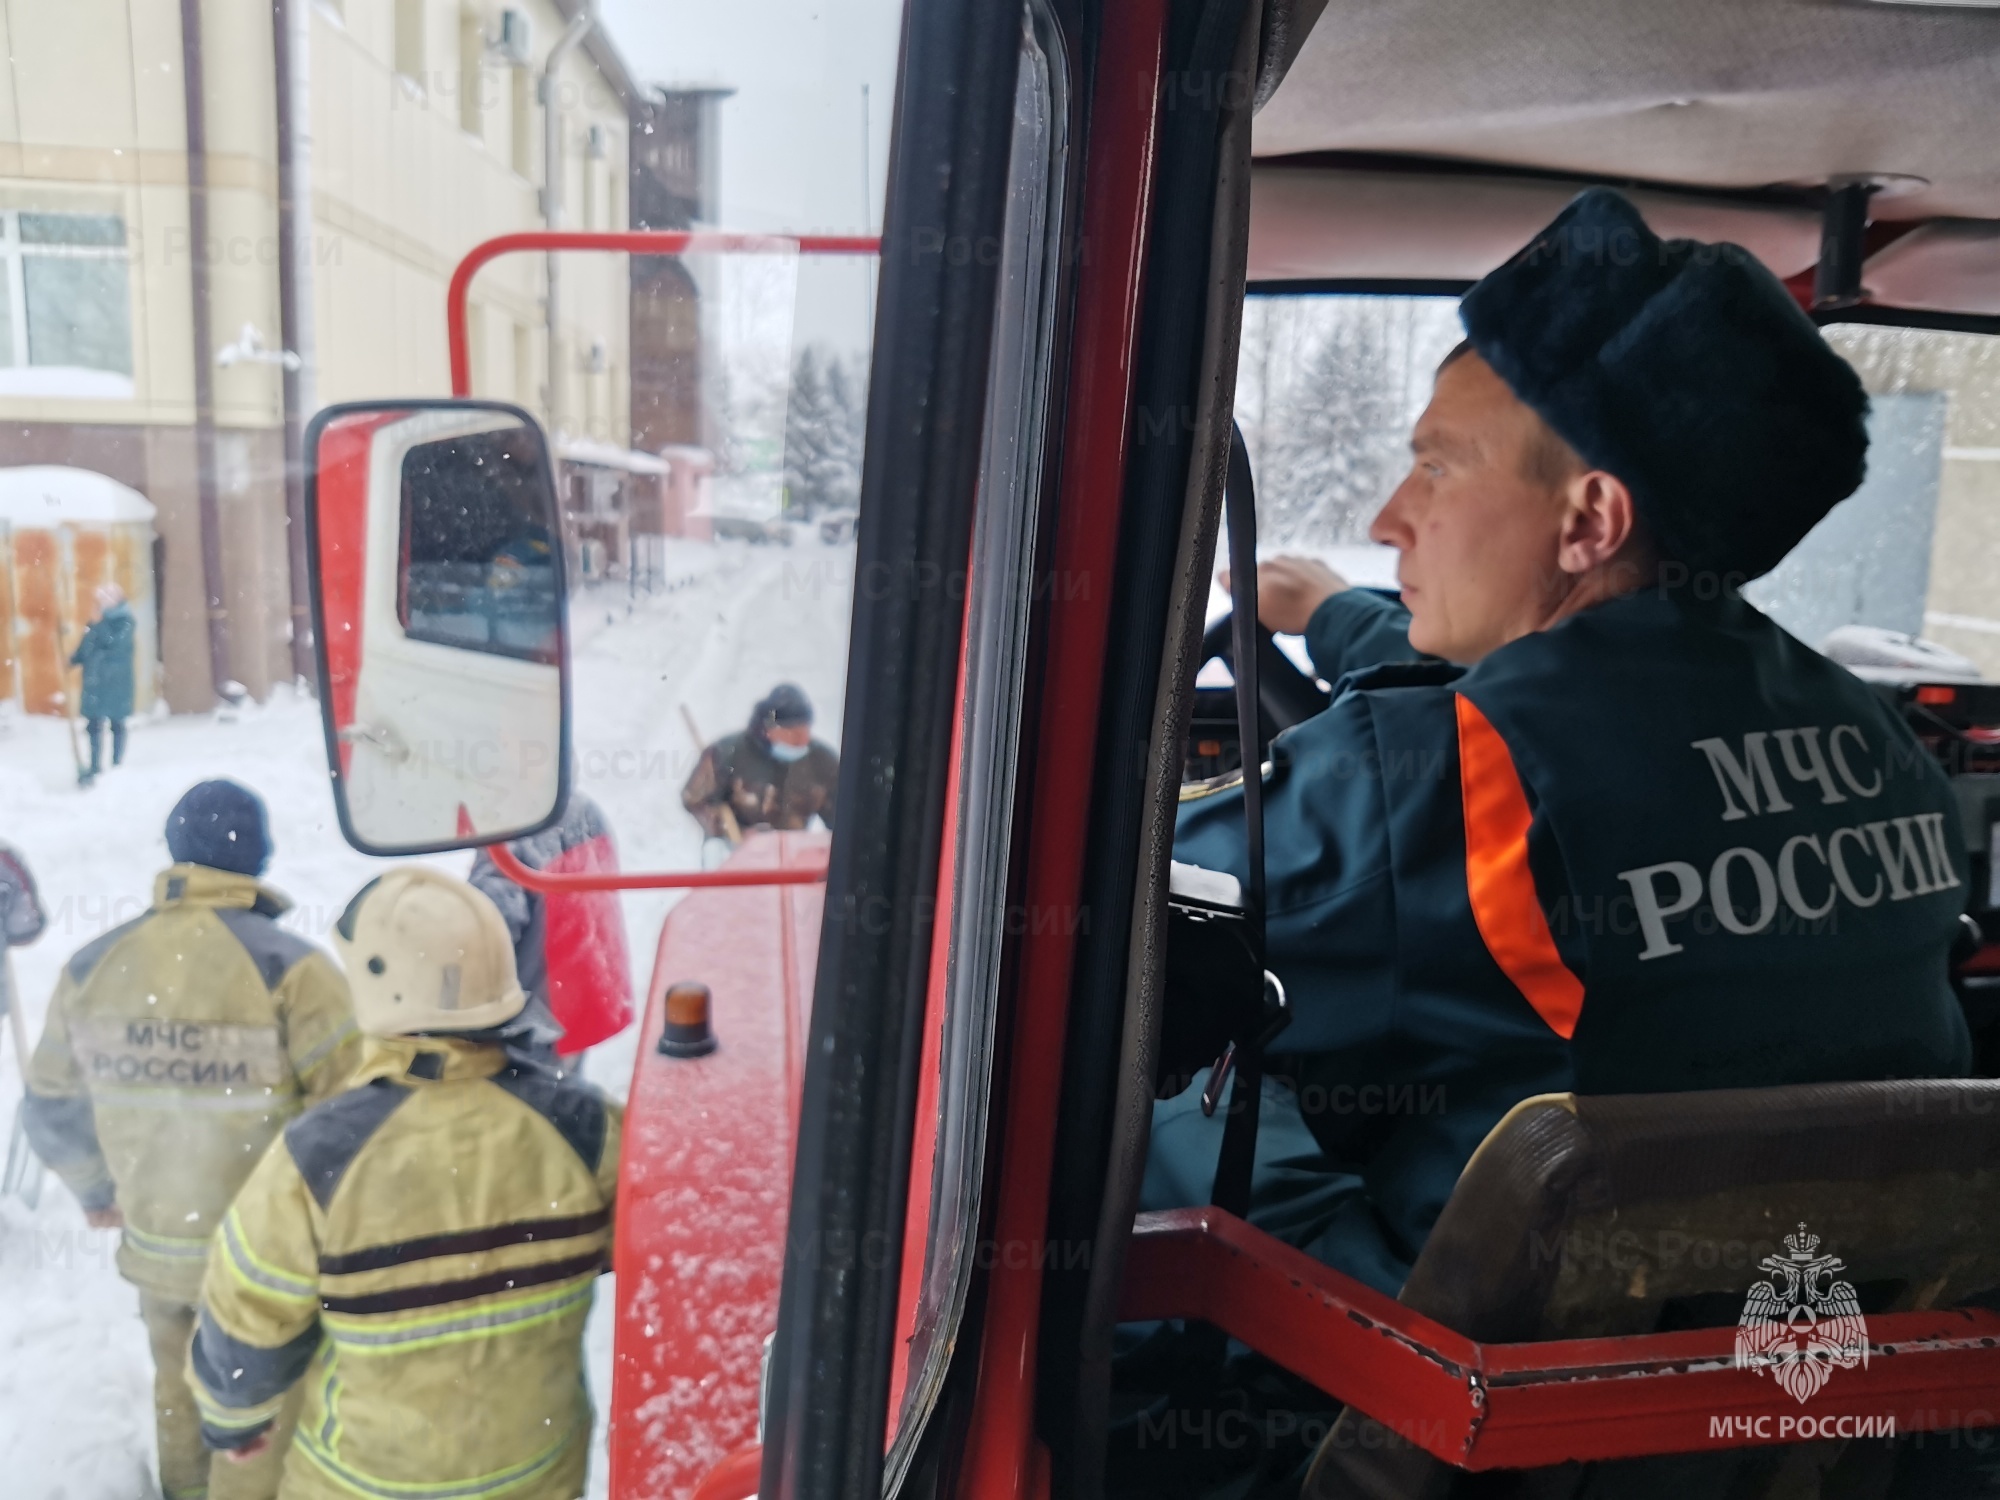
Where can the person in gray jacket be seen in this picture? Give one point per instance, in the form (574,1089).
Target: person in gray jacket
(526,912)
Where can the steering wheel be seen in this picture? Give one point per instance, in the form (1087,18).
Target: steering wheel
(1285,695)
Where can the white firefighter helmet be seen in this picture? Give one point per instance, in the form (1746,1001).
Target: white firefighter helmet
(425,952)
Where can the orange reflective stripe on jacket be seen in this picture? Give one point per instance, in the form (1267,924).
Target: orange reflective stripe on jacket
(1497,877)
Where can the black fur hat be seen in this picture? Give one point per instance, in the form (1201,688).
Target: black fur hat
(221,825)
(1685,369)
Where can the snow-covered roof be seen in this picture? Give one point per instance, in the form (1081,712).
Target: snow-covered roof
(40,495)
(605,455)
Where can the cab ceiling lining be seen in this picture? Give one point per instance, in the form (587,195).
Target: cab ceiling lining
(1892,316)
(1313,224)
(1727,94)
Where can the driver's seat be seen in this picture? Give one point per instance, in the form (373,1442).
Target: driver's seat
(1596,1216)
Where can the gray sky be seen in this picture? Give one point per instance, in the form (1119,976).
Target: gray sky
(792,132)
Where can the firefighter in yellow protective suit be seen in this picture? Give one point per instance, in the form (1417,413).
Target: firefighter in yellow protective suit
(420,1252)
(176,1048)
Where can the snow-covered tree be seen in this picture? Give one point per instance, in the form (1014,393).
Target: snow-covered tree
(824,425)
(1328,389)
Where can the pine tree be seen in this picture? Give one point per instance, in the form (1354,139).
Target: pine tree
(824,424)
(1332,387)
(1333,445)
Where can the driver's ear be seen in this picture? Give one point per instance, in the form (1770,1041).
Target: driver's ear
(1599,519)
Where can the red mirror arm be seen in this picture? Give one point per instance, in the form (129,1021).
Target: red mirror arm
(551,883)
(631,241)
(616,880)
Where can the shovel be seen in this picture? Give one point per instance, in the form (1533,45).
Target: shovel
(66,604)
(23,1175)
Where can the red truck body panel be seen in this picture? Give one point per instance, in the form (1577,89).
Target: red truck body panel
(705,1183)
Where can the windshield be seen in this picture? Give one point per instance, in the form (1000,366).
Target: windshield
(215,222)
(1329,385)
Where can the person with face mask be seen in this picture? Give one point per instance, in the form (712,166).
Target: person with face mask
(772,774)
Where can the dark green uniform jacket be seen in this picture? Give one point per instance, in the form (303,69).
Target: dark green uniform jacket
(1660,846)
(1359,628)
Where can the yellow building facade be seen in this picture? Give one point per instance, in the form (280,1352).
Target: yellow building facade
(424,133)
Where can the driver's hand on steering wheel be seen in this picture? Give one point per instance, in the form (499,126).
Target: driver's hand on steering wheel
(1289,589)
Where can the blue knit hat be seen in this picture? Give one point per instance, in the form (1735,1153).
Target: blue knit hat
(1685,369)
(222,825)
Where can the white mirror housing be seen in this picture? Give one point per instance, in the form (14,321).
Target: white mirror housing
(439,615)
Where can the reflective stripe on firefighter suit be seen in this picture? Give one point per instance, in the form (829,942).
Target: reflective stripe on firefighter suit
(176,1047)
(421,1253)
(1660,846)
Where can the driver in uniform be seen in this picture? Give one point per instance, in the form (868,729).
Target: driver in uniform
(1602,827)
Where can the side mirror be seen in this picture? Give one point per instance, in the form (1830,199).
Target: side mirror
(438,613)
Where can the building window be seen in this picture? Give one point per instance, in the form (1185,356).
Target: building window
(66,317)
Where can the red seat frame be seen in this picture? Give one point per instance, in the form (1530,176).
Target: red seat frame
(1517,1406)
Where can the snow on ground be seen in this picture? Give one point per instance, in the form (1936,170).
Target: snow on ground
(728,621)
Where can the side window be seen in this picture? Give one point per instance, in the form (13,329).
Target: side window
(473,575)
(66,312)
(946,1168)
(1914,551)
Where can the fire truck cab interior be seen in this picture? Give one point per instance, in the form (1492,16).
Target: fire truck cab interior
(1069,249)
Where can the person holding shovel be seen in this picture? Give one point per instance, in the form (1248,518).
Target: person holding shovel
(105,654)
(772,774)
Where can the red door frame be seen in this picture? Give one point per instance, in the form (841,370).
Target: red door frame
(1522,1406)
(1002,1458)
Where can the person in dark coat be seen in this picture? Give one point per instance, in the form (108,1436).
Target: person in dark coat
(773,774)
(105,654)
(1580,819)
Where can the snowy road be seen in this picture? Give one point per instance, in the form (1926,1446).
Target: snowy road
(731,620)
